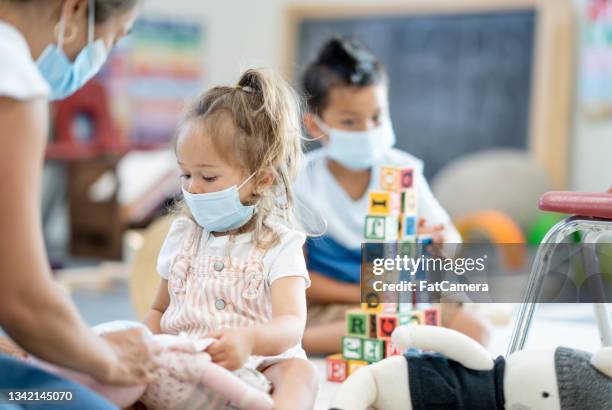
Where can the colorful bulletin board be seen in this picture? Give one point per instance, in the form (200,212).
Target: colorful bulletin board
(596,60)
(152,75)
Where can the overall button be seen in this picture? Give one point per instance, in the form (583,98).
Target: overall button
(219,304)
(218,266)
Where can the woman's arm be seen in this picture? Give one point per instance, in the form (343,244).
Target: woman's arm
(34,311)
(160,304)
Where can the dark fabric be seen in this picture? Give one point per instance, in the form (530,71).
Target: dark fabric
(439,383)
(18,375)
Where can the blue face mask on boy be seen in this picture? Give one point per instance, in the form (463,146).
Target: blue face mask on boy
(220,211)
(359,149)
(64,76)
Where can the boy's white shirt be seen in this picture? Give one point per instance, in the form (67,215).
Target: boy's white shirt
(324,207)
(283,260)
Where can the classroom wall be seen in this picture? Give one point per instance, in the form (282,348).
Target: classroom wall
(245,33)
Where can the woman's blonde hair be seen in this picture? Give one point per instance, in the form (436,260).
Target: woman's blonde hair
(264,135)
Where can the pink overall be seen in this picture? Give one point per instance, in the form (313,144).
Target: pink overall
(209,292)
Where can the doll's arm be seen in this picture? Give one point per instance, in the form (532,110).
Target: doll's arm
(451,343)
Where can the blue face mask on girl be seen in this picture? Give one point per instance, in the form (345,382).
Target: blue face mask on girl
(64,76)
(220,211)
(359,149)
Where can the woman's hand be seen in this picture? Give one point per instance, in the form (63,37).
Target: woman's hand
(130,358)
(232,348)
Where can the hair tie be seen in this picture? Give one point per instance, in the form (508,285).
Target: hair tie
(245,88)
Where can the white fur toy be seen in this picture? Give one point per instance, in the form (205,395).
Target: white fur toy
(463,375)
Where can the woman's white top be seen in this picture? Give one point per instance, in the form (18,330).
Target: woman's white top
(19,76)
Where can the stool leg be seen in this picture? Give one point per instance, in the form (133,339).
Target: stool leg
(540,267)
(592,267)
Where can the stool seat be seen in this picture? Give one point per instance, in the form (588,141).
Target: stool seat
(597,205)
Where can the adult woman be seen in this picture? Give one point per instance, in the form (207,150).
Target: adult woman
(49,49)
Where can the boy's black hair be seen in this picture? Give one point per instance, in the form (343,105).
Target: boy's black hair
(341,62)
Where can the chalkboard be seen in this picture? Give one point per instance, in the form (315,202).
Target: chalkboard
(459,82)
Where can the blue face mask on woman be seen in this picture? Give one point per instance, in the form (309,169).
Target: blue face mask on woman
(359,149)
(64,76)
(220,211)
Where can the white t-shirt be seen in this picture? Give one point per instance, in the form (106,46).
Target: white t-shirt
(321,198)
(19,76)
(283,260)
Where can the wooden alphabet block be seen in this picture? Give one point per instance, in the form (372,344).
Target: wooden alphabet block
(337,369)
(372,304)
(408,226)
(357,323)
(396,179)
(373,350)
(392,350)
(354,365)
(410,204)
(432,316)
(352,348)
(384,203)
(381,228)
(387,322)
(406,247)
(406,178)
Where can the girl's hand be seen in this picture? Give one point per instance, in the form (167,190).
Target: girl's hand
(130,358)
(232,348)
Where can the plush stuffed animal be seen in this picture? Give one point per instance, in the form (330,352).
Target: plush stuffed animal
(188,379)
(461,374)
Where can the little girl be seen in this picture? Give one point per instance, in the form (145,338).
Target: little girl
(232,265)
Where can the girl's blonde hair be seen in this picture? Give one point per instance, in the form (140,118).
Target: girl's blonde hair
(256,126)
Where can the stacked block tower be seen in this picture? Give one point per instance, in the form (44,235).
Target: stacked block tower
(392,218)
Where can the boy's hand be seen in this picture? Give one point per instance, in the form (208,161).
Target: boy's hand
(436,231)
(232,348)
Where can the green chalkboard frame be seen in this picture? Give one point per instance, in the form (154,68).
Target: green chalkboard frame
(553,61)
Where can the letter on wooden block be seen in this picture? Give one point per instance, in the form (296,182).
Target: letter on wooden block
(373,350)
(410,205)
(406,178)
(407,248)
(357,323)
(409,226)
(337,370)
(432,316)
(372,304)
(352,348)
(387,322)
(391,349)
(373,325)
(417,317)
(354,365)
(384,203)
(390,178)
(381,228)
